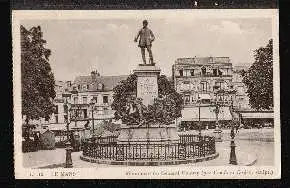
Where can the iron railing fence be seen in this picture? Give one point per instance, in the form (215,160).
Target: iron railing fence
(189,147)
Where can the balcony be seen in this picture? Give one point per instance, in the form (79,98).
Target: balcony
(212,102)
(197,75)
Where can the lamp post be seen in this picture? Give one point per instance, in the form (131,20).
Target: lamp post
(92,104)
(217,131)
(199,123)
(233,157)
(68,149)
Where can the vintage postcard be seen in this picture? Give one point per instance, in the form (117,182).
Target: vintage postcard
(146,94)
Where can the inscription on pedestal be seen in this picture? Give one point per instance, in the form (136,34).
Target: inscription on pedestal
(147,89)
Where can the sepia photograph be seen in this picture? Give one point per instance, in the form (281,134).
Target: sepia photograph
(146,94)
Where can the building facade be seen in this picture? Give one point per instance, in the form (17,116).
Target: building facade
(92,96)
(87,97)
(200,80)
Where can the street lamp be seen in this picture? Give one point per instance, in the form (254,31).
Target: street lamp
(217,131)
(199,123)
(233,157)
(68,149)
(92,104)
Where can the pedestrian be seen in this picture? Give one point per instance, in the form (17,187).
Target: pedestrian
(237,128)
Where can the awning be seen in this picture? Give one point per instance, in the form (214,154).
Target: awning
(204,96)
(56,126)
(77,124)
(206,114)
(257,115)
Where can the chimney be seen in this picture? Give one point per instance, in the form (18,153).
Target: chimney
(93,75)
(68,84)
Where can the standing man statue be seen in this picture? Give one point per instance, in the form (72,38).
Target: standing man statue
(145,41)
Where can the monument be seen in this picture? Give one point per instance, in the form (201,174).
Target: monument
(147,93)
(148,105)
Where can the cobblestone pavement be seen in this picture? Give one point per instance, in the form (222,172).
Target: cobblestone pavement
(250,145)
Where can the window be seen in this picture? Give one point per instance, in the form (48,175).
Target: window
(105,99)
(192,86)
(192,72)
(100,86)
(85,100)
(181,72)
(203,71)
(219,85)
(85,113)
(95,98)
(186,72)
(193,100)
(214,72)
(186,85)
(186,99)
(203,86)
(79,87)
(88,86)
(75,100)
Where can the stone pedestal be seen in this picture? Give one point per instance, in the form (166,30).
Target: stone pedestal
(147,87)
(153,134)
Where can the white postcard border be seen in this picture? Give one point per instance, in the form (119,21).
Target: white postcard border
(131,172)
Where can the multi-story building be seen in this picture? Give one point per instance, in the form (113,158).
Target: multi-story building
(200,80)
(92,96)
(88,98)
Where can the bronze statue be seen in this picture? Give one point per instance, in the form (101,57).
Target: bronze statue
(146,37)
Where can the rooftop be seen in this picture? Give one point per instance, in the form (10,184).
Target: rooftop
(109,82)
(203,60)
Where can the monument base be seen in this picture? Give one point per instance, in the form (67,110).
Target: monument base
(149,64)
(153,134)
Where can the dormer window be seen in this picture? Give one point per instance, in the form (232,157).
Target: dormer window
(100,86)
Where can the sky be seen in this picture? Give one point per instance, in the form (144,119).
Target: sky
(80,46)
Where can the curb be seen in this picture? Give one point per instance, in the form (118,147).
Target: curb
(251,162)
